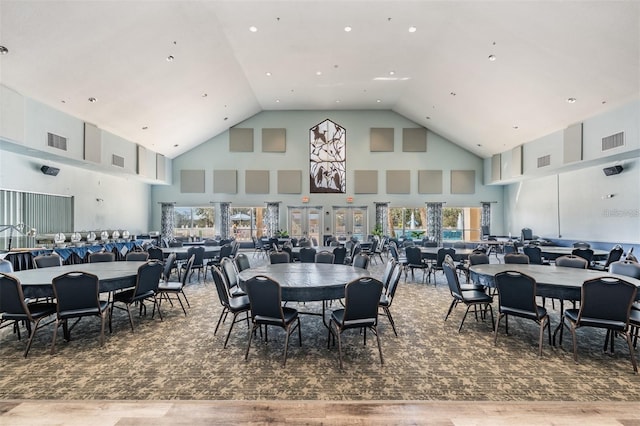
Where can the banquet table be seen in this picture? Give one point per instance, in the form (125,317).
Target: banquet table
(552,281)
(553,252)
(111,275)
(181,252)
(306,282)
(431,253)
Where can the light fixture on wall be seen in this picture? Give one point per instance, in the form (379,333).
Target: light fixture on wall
(605,196)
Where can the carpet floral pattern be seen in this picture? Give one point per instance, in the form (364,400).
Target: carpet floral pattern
(180,358)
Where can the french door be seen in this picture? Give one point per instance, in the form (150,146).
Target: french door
(305,221)
(350,221)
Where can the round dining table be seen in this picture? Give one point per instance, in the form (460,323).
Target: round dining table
(181,252)
(307,282)
(553,252)
(431,253)
(111,275)
(556,282)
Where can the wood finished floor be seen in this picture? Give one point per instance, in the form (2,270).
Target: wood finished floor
(194,413)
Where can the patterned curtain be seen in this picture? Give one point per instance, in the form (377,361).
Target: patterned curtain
(167,221)
(434,222)
(224,220)
(273,218)
(485,220)
(382,217)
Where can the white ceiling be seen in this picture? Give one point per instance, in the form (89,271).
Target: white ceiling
(64,52)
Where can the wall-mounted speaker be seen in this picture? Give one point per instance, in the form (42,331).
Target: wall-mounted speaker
(48,170)
(609,171)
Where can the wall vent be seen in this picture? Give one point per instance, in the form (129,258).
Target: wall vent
(116,160)
(613,141)
(544,161)
(57,141)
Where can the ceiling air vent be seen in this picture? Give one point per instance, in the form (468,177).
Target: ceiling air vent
(613,141)
(544,161)
(57,141)
(116,160)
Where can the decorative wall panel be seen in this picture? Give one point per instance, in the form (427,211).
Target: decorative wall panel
(327,158)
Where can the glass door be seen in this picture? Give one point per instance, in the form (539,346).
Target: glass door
(349,221)
(305,221)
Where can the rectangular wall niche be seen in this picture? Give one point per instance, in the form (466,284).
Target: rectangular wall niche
(225,181)
(289,181)
(366,181)
(463,181)
(398,182)
(191,181)
(240,140)
(429,181)
(256,182)
(381,139)
(414,139)
(274,140)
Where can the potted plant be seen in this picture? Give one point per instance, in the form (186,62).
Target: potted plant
(377,231)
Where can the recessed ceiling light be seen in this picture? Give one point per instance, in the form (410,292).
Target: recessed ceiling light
(226,118)
(253,29)
(204,95)
(318,72)
(93,100)
(175,145)
(492,58)
(337,101)
(479,144)
(515,127)
(170,58)
(571,100)
(428,118)
(145,127)
(3,50)
(277,101)
(63,101)
(392,72)
(604,102)
(347,29)
(268,74)
(452,93)
(378,100)
(412,29)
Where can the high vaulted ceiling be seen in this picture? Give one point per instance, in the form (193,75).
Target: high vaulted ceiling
(300,57)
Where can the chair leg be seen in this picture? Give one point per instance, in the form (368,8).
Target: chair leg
(246,354)
(393,325)
(495,331)
(53,339)
(631,352)
(130,317)
(375,331)
(222,315)
(226,340)
(454,302)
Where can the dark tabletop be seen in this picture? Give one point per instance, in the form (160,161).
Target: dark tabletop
(306,282)
(552,281)
(112,276)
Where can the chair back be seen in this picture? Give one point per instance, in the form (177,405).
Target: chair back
(442,253)
(585,253)
(614,255)
(572,261)
(6,266)
(242,262)
(279,257)
(526,234)
(148,278)
(355,250)
(139,256)
(394,279)
(226,250)
(625,267)
(235,246)
(414,255)
(608,300)
(265,297)
(478,259)
(307,255)
(516,258)
(104,256)
(169,264)
(76,291)
(581,244)
(534,253)
(198,253)
(361,260)
(517,293)
(12,299)
(222,287)
(155,253)
(427,243)
(393,249)
(449,268)
(228,267)
(324,257)
(361,299)
(339,254)
(388,271)
(47,261)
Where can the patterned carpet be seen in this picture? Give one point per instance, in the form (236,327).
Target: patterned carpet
(180,358)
